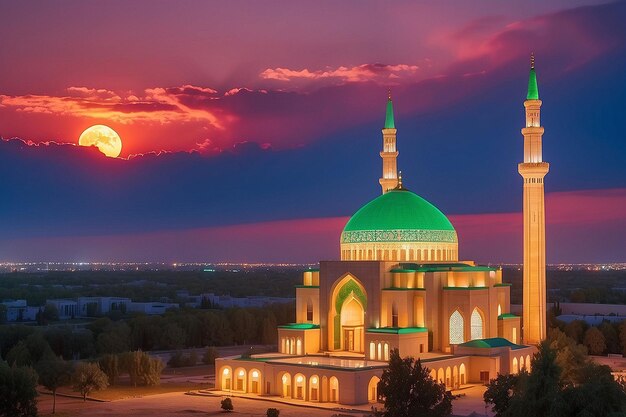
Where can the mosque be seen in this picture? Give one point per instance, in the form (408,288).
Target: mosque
(400,285)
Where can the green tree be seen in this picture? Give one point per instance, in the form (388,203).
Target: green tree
(114,339)
(540,393)
(87,378)
(53,373)
(408,390)
(244,326)
(172,337)
(611,337)
(622,336)
(111,367)
(3,313)
(597,395)
(151,369)
(227,404)
(576,330)
(17,391)
(500,391)
(594,340)
(570,356)
(269,331)
(210,354)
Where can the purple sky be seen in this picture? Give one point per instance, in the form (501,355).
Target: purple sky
(247,114)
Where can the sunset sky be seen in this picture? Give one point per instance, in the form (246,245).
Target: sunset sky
(251,130)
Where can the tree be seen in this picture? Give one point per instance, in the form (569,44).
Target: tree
(151,369)
(576,330)
(87,378)
(210,354)
(622,336)
(114,339)
(570,356)
(599,395)
(142,369)
(17,391)
(408,390)
(540,393)
(272,412)
(611,338)
(53,373)
(227,404)
(269,332)
(500,391)
(244,326)
(3,313)
(110,365)
(594,340)
(49,313)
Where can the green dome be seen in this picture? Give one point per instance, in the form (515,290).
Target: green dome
(399,216)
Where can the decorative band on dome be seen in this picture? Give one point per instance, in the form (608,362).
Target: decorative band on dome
(407,235)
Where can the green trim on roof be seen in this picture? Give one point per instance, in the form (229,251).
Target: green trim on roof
(494,342)
(307,286)
(456,267)
(299,326)
(503,284)
(465,288)
(398,216)
(397,330)
(312,270)
(403,289)
(533,91)
(389,122)
(507,316)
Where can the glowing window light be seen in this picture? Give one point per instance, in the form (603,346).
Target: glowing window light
(456,328)
(226,371)
(285,379)
(476,325)
(299,379)
(255,374)
(314,380)
(242,373)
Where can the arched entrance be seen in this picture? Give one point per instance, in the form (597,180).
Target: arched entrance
(254,385)
(300,387)
(286,385)
(347,315)
(227,375)
(240,380)
(334,390)
(314,388)
(462,374)
(372,389)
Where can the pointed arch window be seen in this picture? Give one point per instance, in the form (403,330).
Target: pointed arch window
(476,325)
(456,328)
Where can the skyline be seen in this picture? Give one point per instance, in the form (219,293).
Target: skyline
(268,153)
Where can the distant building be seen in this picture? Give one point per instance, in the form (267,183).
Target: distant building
(150,308)
(99,306)
(68,309)
(19,310)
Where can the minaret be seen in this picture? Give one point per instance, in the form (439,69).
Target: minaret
(389,154)
(533,169)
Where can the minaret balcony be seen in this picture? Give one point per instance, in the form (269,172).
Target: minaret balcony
(533,169)
(532,130)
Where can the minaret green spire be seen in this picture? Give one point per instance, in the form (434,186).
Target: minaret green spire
(389,123)
(533,91)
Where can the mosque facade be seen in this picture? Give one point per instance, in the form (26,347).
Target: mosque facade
(399,284)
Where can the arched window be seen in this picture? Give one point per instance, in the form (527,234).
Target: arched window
(515,368)
(456,328)
(372,350)
(394,315)
(514,335)
(499,310)
(476,325)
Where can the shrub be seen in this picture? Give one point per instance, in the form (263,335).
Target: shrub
(209,356)
(227,404)
(272,412)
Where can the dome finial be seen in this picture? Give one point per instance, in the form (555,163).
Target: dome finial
(389,94)
(389,122)
(532,60)
(399,179)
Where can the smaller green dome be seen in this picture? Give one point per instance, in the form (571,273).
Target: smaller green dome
(399,216)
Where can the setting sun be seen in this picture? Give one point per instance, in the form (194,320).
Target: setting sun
(106,139)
